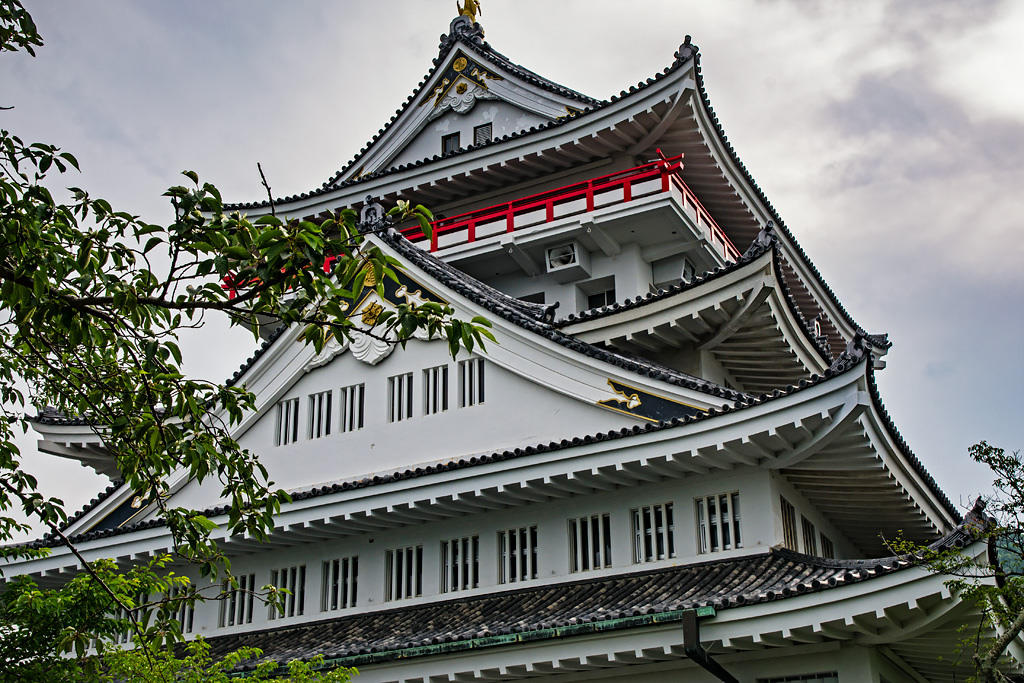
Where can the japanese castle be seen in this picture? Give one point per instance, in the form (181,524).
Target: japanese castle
(674,463)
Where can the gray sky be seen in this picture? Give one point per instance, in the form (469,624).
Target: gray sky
(889,136)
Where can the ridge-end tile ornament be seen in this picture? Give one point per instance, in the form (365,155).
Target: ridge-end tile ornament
(372,215)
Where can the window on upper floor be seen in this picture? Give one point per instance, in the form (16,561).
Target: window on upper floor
(449,143)
(236,603)
(830,677)
(789,538)
(400,397)
(403,573)
(605,297)
(320,412)
(810,536)
(292,580)
(517,554)
(828,551)
(352,399)
(124,636)
(339,583)
(590,543)
(287,428)
(482,134)
(471,382)
(185,610)
(535,298)
(653,533)
(435,390)
(718,522)
(460,564)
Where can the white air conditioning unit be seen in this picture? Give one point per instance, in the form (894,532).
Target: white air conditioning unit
(567,262)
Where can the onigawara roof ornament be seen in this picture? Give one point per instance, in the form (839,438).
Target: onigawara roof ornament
(469,8)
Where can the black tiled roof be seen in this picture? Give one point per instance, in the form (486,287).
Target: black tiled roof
(599,604)
(471,37)
(682,56)
(765,242)
(526,316)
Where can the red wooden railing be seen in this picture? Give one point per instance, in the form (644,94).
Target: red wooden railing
(649,179)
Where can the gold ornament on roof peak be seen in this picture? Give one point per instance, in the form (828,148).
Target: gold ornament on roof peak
(469,8)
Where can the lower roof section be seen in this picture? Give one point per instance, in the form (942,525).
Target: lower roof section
(610,605)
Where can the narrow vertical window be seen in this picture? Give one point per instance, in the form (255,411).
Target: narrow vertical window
(471,382)
(400,397)
(482,134)
(460,564)
(352,407)
(339,584)
(435,390)
(292,580)
(236,603)
(810,536)
(287,422)
(718,522)
(403,573)
(320,412)
(449,143)
(653,533)
(828,551)
(517,554)
(590,543)
(184,611)
(789,525)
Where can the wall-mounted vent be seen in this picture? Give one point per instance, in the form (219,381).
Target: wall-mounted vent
(567,262)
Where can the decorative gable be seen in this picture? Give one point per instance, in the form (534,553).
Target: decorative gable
(443,114)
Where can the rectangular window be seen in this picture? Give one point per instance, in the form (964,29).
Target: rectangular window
(603,298)
(400,397)
(403,573)
(352,408)
(810,536)
(236,605)
(517,554)
(482,134)
(653,533)
(828,551)
(339,584)
(471,382)
(590,543)
(789,525)
(320,414)
(718,522)
(435,390)
(287,422)
(293,580)
(184,610)
(449,143)
(831,677)
(125,635)
(460,564)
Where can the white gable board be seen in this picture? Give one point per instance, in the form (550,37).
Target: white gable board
(464,92)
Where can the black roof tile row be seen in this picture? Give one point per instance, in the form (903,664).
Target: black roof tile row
(605,603)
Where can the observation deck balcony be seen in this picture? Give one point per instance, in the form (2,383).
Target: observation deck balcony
(599,196)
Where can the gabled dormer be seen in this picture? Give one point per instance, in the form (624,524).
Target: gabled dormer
(472,95)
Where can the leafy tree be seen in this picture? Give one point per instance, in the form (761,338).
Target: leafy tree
(92,303)
(994,579)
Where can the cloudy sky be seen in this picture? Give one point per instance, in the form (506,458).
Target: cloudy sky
(889,135)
